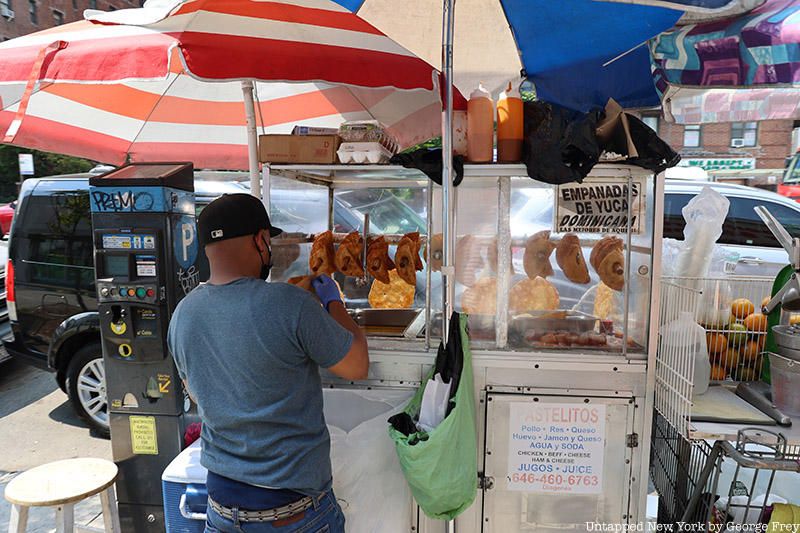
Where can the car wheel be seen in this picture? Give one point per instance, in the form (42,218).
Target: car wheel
(86,387)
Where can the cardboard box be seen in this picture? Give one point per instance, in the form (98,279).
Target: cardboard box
(309,149)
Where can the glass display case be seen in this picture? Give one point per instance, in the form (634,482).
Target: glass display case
(538,267)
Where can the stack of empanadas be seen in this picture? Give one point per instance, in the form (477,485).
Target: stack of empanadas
(348,256)
(481,298)
(608,261)
(322,259)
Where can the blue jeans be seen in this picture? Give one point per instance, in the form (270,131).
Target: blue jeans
(324,517)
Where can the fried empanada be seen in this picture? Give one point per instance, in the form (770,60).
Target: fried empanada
(348,256)
(406,258)
(536,294)
(469,262)
(612,270)
(603,247)
(378,261)
(481,298)
(569,257)
(536,259)
(322,259)
(397,294)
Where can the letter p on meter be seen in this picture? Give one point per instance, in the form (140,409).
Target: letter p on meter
(187,238)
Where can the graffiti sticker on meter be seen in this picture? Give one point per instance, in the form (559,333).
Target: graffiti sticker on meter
(184,237)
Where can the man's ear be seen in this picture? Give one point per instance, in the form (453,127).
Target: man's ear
(262,240)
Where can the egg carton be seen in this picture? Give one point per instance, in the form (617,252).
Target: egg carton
(370,153)
(360,131)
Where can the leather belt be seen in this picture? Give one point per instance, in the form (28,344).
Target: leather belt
(268,515)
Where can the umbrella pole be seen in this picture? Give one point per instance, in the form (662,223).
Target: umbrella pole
(252,138)
(448,196)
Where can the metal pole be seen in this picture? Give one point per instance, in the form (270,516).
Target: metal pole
(252,138)
(448,197)
(448,207)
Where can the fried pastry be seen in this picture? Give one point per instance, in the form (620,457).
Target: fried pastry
(536,294)
(322,259)
(569,257)
(481,298)
(436,248)
(603,247)
(536,259)
(397,294)
(406,258)
(612,270)
(378,261)
(348,256)
(468,260)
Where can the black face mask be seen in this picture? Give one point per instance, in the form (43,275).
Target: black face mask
(265,268)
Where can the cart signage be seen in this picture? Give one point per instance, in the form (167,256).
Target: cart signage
(556,448)
(601,207)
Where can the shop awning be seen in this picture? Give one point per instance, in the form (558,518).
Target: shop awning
(163,82)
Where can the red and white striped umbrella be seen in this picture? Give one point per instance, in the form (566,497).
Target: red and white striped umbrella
(163,82)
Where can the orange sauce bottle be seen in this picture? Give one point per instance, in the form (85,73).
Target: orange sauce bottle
(509,126)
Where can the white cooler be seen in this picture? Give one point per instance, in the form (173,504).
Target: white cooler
(184,486)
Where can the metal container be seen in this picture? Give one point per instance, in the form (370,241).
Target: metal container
(788,340)
(384,322)
(528,328)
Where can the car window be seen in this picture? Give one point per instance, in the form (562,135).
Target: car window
(388,209)
(58,231)
(742,227)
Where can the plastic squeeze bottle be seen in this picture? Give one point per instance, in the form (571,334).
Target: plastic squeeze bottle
(480,126)
(684,340)
(509,126)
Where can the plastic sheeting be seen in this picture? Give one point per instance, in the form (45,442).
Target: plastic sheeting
(367,478)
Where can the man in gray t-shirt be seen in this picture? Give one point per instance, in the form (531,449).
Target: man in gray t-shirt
(249,353)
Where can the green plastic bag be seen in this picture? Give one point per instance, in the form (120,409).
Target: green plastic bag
(441,467)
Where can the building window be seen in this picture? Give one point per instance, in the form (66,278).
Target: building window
(5,6)
(92,4)
(58,17)
(691,136)
(74,4)
(33,12)
(744,134)
(111,8)
(652,122)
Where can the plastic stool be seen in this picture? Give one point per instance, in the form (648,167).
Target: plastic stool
(62,484)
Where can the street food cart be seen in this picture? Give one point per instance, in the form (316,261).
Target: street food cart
(562,367)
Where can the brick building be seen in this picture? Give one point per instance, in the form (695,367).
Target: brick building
(20,17)
(746,152)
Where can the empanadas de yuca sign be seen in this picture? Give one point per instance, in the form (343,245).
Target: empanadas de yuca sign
(601,206)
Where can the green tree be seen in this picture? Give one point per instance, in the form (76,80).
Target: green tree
(44,164)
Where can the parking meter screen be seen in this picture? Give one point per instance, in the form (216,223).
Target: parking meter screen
(115,266)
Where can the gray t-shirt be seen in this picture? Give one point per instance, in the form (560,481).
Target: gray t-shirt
(249,352)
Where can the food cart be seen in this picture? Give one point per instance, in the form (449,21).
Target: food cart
(563,389)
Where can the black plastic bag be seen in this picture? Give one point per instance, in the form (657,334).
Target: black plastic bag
(429,161)
(450,358)
(559,146)
(654,153)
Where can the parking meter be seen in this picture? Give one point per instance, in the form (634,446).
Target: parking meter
(146,247)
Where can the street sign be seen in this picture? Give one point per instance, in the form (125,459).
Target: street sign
(720,163)
(26,165)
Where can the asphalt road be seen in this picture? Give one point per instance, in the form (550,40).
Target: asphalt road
(38,425)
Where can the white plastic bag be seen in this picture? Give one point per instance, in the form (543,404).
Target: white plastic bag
(367,478)
(704,215)
(435,399)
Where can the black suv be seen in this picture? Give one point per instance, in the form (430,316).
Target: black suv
(51,297)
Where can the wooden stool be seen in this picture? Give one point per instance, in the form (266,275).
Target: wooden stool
(62,484)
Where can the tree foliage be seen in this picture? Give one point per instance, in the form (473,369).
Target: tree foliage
(44,164)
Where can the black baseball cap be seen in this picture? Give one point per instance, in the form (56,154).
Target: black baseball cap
(233,215)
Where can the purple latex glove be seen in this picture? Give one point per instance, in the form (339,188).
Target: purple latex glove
(326,289)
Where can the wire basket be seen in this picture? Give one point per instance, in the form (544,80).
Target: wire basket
(729,309)
(722,485)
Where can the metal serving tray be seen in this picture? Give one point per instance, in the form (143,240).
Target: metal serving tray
(541,322)
(384,322)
